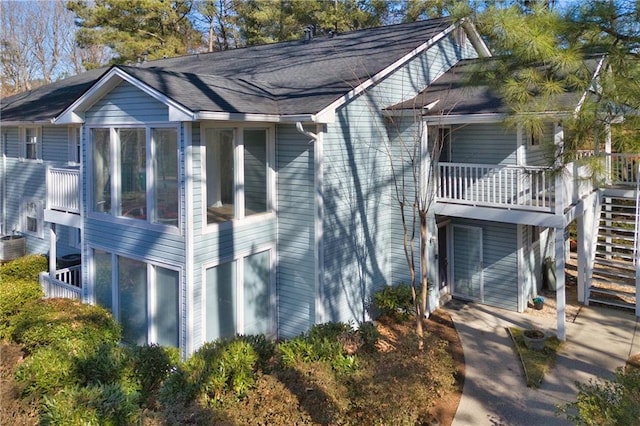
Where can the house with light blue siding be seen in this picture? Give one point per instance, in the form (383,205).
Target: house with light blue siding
(252,190)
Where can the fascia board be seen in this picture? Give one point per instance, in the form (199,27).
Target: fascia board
(484,118)
(264,118)
(25,123)
(329,111)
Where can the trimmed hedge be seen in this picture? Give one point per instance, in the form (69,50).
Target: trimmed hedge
(64,323)
(26,268)
(17,295)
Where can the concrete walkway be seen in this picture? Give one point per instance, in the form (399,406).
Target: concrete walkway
(598,341)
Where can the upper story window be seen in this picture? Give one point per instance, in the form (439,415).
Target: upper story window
(31,145)
(135,173)
(237,171)
(534,139)
(74,145)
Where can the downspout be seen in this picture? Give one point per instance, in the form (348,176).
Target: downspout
(318,216)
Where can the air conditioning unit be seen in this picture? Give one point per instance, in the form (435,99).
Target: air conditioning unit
(12,247)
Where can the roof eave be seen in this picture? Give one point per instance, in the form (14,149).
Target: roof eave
(327,113)
(74,114)
(263,118)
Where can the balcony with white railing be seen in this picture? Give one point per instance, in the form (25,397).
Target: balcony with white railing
(501,186)
(527,188)
(63,195)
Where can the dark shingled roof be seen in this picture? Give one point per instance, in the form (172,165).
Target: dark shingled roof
(296,77)
(456,96)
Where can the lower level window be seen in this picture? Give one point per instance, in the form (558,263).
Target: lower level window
(143,297)
(238,297)
(32,217)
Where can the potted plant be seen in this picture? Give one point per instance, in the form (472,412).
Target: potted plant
(538,302)
(534,339)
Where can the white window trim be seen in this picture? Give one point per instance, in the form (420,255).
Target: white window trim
(40,219)
(75,145)
(23,144)
(152,309)
(115,215)
(239,258)
(238,136)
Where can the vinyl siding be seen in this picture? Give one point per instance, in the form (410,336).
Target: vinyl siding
(541,155)
(360,235)
(403,132)
(296,260)
(126,104)
(27,178)
(490,143)
(500,263)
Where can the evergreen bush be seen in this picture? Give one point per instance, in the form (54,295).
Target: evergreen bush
(25,268)
(58,322)
(395,301)
(17,295)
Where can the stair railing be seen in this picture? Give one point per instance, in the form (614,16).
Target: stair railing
(637,224)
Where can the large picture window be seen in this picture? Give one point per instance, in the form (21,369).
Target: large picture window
(238,297)
(237,173)
(135,173)
(143,298)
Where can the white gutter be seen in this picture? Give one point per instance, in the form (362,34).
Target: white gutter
(318,216)
(264,118)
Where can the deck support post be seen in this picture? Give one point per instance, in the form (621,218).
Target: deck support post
(52,250)
(560,288)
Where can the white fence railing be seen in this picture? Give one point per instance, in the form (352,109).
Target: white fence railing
(63,189)
(67,283)
(621,169)
(514,187)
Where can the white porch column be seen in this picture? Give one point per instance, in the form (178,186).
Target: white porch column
(560,289)
(52,250)
(581,223)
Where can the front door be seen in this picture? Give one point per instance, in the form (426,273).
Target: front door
(467,262)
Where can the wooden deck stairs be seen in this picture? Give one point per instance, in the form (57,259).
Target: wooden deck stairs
(613,280)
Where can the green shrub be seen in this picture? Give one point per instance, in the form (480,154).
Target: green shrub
(217,369)
(109,363)
(316,349)
(329,330)
(104,404)
(607,402)
(58,322)
(151,366)
(369,334)
(265,349)
(46,371)
(17,295)
(26,268)
(395,301)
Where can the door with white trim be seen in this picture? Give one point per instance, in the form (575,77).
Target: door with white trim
(467,262)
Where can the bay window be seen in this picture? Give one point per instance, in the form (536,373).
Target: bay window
(135,173)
